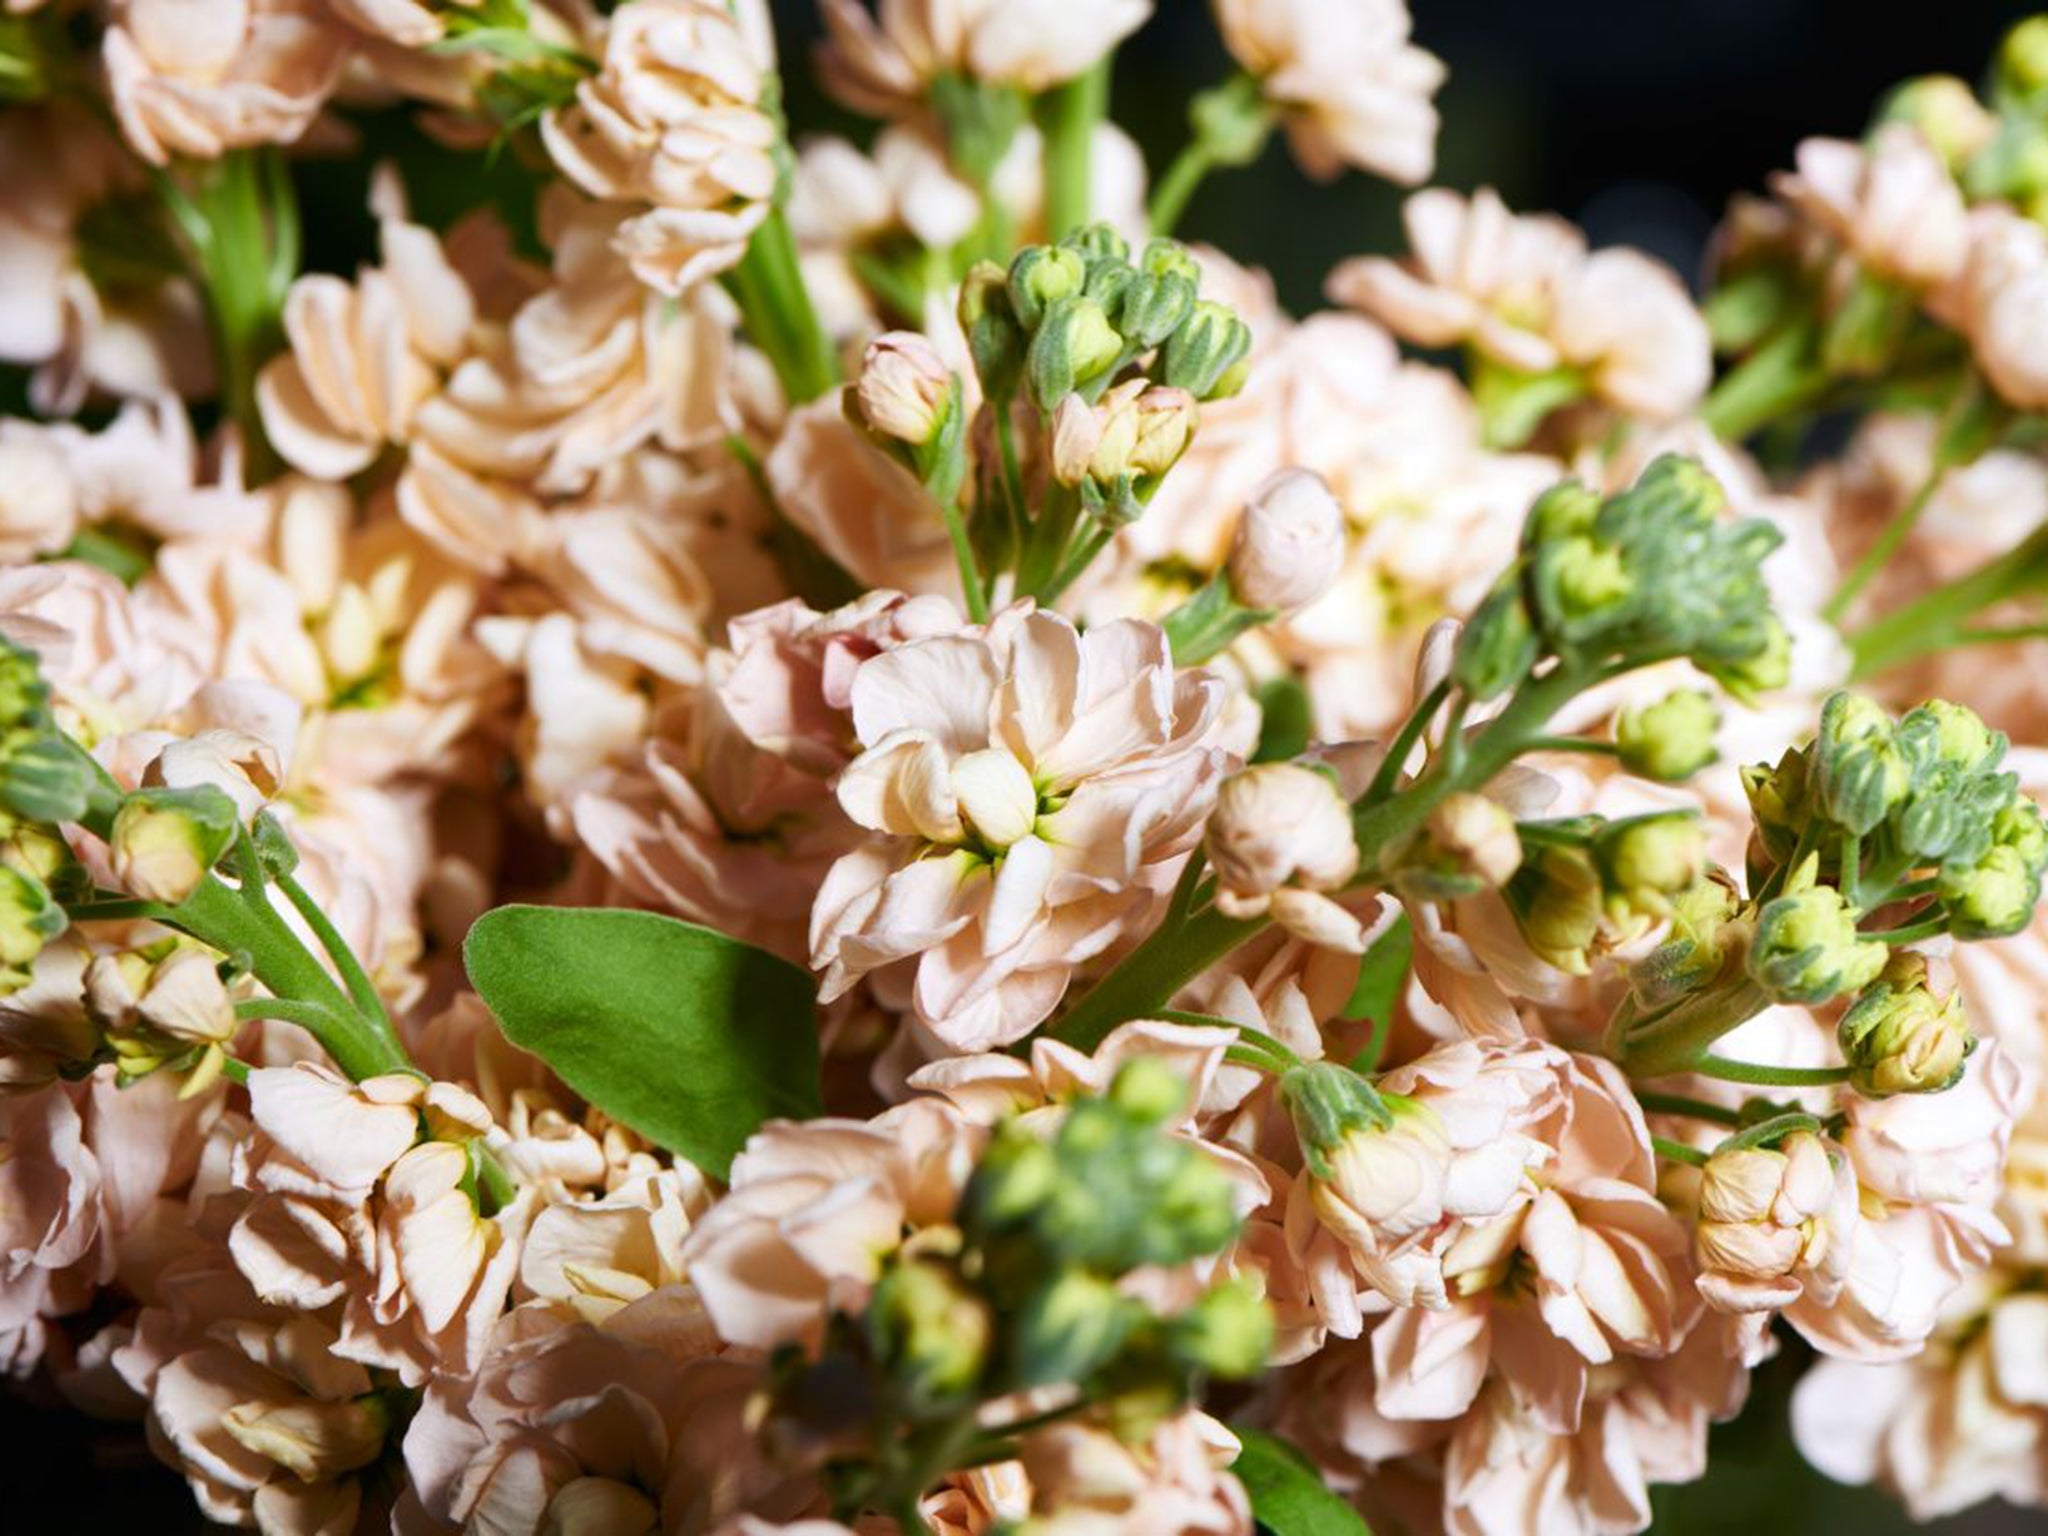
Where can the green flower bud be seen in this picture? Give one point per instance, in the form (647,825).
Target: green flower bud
(1778,800)
(1232,120)
(1557,901)
(1329,1105)
(1764,669)
(1697,943)
(1498,645)
(1671,739)
(1209,344)
(1568,510)
(1991,898)
(1907,1033)
(1153,308)
(1149,1091)
(1960,737)
(1807,949)
(904,392)
(2022,66)
(1163,258)
(1860,773)
(24,696)
(1073,344)
(2021,828)
(1228,1333)
(1651,858)
(1098,243)
(1016,1176)
(29,919)
(1039,277)
(165,841)
(44,778)
(1947,113)
(1071,1328)
(994,338)
(928,1331)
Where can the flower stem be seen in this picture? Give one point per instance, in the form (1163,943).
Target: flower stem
(777,313)
(1151,974)
(1170,198)
(1067,117)
(1777,379)
(1692,1109)
(1678,1152)
(1884,546)
(1940,618)
(1758,1075)
(1676,1042)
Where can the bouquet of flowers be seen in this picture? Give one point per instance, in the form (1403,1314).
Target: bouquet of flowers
(767,834)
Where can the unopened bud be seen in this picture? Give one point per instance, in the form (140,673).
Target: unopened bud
(1671,739)
(1074,344)
(1497,646)
(1778,800)
(1908,1033)
(1278,824)
(1651,858)
(1164,258)
(1098,243)
(1807,949)
(1762,669)
(29,919)
(1946,112)
(1204,356)
(1227,1333)
(1556,900)
(1991,898)
(1039,277)
(905,389)
(1071,1328)
(1289,546)
(1762,1210)
(1374,1186)
(1468,845)
(2023,57)
(1152,307)
(1860,774)
(312,1440)
(165,841)
(929,1331)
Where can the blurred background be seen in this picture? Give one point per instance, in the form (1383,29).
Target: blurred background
(1635,118)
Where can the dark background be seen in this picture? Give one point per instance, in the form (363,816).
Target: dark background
(1637,118)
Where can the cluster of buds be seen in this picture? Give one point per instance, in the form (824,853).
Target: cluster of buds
(1115,352)
(1588,886)
(1653,571)
(1023,1293)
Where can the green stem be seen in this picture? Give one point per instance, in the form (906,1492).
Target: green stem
(777,313)
(216,915)
(245,263)
(963,555)
(1778,378)
(1756,1075)
(1150,974)
(1777,1128)
(1678,1152)
(1938,619)
(1258,1039)
(1388,774)
(1885,545)
(1170,197)
(1574,744)
(361,990)
(1676,1042)
(316,1019)
(1692,1109)
(1067,117)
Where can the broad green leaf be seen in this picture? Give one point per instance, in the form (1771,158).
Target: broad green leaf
(689,1037)
(1288,1496)
(1382,972)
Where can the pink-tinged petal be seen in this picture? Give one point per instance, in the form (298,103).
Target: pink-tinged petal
(1429,1365)
(943,687)
(1019,894)
(1037,703)
(345,1133)
(902,785)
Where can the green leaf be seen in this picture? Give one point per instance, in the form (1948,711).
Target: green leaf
(1284,720)
(1288,1497)
(689,1037)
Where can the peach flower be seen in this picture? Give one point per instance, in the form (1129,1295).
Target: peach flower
(1033,791)
(1085,1480)
(1892,204)
(201,77)
(673,119)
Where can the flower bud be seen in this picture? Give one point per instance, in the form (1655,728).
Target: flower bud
(1098,244)
(1289,546)
(1163,258)
(1556,901)
(1149,1092)
(1153,307)
(1958,736)
(1074,344)
(1071,1328)
(1908,1033)
(1991,898)
(1650,858)
(1778,800)
(1946,112)
(1761,669)
(29,919)
(1860,775)
(2022,66)
(904,390)
(165,841)
(1763,1211)
(1278,824)
(1204,355)
(994,339)
(1807,949)
(1469,844)
(930,1332)
(1497,646)
(1227,1333)
(1372,1184)
(1671,739)
(2019,826)
(1696,945)
(1039,277)
(1581,583)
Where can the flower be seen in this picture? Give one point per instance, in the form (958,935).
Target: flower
(884,65)
(1289,545)
(1032,790)
(672,118)
(1279,837)
(227,74)
(1348,85)
(1774,1221)
(1893,204)
(1174,1479)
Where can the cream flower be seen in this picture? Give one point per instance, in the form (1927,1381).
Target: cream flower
(2000,303)
(1775,1224)
(1349,86)
(1032,790)
(814,1211)
(884,65)
(1524,292)
(1893,205)
(200,77)
(1084,1480)
(673,119)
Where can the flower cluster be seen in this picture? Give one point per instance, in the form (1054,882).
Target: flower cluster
(751,835)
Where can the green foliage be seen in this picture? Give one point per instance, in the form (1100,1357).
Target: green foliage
(1288,1497)
(689,1037)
